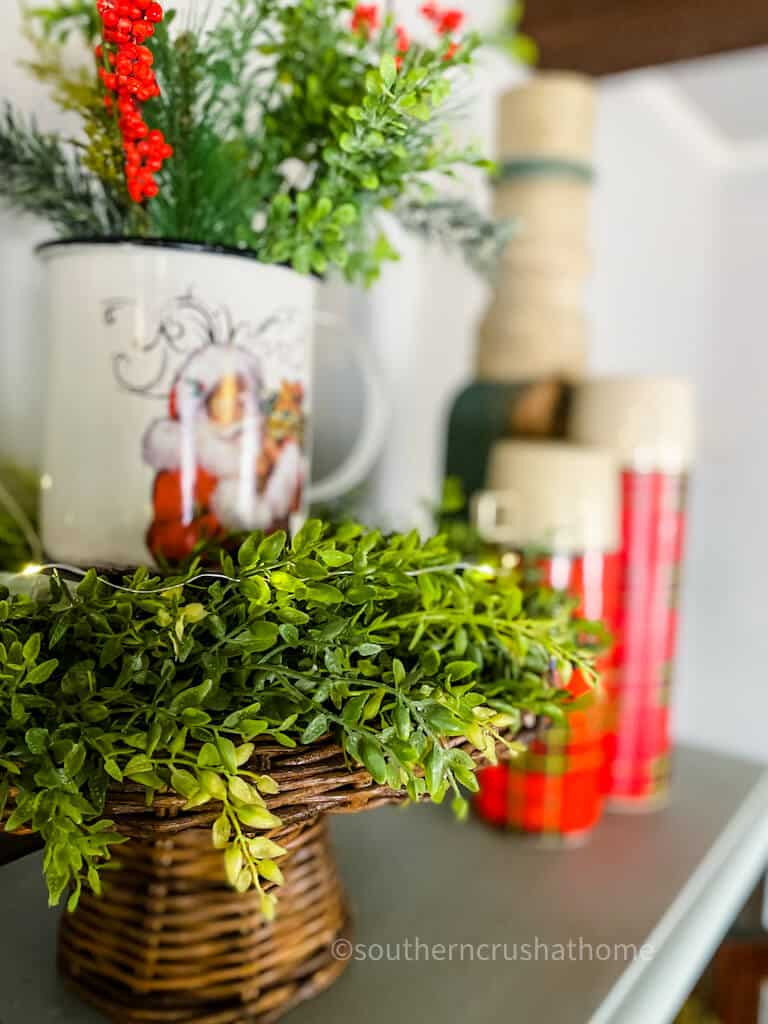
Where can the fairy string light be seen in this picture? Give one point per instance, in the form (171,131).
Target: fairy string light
(33,569)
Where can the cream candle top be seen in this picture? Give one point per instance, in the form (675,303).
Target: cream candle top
(557,497)
(648,422)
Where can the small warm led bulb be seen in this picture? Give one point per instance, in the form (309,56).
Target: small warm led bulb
(485,570)
(31,570)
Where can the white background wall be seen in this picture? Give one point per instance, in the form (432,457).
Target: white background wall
(724,692)
(21,316)
(681,220)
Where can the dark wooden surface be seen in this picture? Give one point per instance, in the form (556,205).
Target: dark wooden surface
(13,847)
(604,36)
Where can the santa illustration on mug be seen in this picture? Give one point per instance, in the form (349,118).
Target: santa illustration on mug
(223,462)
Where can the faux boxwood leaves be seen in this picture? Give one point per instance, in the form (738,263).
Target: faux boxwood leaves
(380,641)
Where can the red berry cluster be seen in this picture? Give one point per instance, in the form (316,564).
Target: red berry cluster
(127,73)
(365,21)
(446,22)
(365,18)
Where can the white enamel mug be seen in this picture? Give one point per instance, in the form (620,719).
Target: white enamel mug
(180,401)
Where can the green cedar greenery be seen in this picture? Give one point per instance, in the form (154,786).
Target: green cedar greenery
(339,632)
(455,223)
(290,131)
(19,542)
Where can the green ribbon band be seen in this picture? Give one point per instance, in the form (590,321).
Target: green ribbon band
(533,167)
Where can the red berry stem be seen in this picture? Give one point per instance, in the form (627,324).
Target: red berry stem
(127,75)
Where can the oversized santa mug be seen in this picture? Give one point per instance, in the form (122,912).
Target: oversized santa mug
(179,401)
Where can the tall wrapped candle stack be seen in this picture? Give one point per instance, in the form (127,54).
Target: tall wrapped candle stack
(649,424)
(533,340)
(557,507)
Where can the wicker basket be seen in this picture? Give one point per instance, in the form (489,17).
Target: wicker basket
(170,943)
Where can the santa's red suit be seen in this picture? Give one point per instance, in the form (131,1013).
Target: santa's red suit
(207,455)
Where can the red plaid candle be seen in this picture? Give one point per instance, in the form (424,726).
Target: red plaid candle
(650,423)
(554,789)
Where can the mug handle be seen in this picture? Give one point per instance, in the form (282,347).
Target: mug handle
(492,512)
(354,469)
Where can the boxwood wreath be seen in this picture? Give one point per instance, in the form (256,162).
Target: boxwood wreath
(387,644)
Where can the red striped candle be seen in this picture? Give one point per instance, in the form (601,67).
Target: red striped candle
(650,424)
(637,737)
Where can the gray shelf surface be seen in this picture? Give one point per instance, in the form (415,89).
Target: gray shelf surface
(671,881)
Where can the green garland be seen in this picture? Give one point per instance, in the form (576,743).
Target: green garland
(383,643)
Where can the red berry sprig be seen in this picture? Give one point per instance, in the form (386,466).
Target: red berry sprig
(128,76)
(365,18)
(403,44)
(446,22)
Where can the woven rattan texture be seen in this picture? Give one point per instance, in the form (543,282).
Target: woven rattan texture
(170,943)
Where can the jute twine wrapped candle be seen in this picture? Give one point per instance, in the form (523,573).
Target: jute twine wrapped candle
(536,324)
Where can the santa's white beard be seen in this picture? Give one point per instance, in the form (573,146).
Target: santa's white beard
(231,455)
(252,511)
(218,450)
(285,480)
(227,451)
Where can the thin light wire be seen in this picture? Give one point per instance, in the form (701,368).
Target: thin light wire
(73,570)
(486,570)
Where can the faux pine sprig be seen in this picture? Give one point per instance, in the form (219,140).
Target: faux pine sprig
(40,174)
(455,223)
(380,642)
